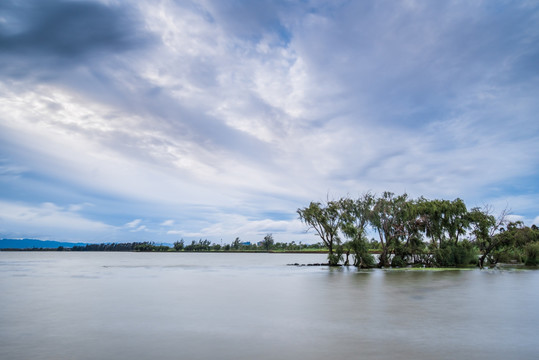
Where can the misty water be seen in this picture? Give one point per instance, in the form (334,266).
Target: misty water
(67,305)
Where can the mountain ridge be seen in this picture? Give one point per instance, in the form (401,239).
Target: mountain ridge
(35,244)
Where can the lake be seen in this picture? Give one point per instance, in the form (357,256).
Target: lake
(71,305)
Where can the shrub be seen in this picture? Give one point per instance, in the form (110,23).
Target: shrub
(398,261)
(531,251)
(334,259)
(451,254)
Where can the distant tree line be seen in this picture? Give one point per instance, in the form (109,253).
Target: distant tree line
(420,232)
(134,246)
(267,244)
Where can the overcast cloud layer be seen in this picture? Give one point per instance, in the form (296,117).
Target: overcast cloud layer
(161,120)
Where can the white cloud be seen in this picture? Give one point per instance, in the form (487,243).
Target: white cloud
(167,223)
(79,207)
(140,228)
(515,218)
(50,220)
(133,224)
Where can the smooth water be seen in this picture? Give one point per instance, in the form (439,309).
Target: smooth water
(69,305)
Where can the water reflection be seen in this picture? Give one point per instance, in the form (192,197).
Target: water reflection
(245,306)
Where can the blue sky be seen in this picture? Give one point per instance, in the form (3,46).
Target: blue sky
(161,120)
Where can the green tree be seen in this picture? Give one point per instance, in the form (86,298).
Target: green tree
(443,220)
(431,220)
(355,215)
(408,244)
(236,244)
(462,253)
(387,218)
(267,243)
(178,245)
(531,251)
(455,221)
(517,243)
(484,226)
(325,220)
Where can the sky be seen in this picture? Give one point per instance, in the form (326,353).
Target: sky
(127,121)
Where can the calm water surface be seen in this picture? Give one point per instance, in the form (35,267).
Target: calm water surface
(62,305)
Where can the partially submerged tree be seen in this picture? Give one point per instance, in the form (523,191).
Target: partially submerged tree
(516,243)
(325,221)
(443,220)
(484,227)
(387,218)
(355,215)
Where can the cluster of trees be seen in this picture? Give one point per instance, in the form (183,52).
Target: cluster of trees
(134,246)
(267,244)
(418,232)
(201,245)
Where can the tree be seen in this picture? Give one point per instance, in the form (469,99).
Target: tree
(178,245)
(388,217)
(325,220)
(267,243)
(443,220)
(201,245)
(484,227)
(355,216)
(431,220)
(517,242)
(531,251)
(455,221)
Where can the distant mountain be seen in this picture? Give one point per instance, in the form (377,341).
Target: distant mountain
(33,243)
(45,244)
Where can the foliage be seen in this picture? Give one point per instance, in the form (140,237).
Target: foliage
(418,232)
(505,245)
(443,219)
(178,245)
(201,245)
(532,253)
(451,254)
(388,218)
(325,220)
(135,246)
(268,241)
(355,215)
(197,246)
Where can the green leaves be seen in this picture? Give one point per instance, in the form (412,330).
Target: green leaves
(403,225)
(325,220)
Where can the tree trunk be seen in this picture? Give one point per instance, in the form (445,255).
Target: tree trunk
(481,260)
(384,261)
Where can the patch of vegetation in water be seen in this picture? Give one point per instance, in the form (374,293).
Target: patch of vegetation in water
(431,269)
(499,267)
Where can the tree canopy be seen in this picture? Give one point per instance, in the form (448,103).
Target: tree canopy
(419,232)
